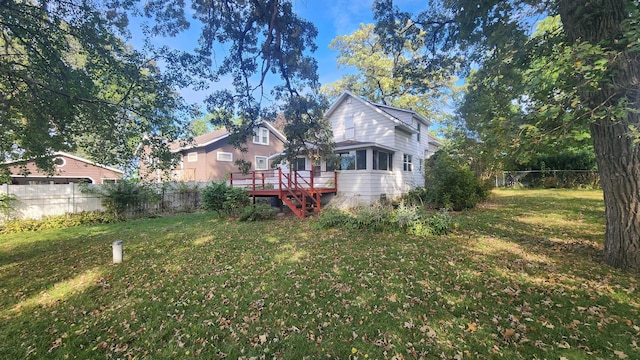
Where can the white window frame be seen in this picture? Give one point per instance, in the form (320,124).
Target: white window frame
(266,163)
(220,156)
(195,158)
(407,162)
(261,136)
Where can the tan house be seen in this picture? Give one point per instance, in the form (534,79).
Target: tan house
(68,169)
(211,158)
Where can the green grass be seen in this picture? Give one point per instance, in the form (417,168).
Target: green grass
(520,277)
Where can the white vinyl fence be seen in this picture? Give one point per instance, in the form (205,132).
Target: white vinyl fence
(37,201)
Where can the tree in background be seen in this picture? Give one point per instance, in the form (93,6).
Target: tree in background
(70,83)
(381,73)
(596,54)
(68,80)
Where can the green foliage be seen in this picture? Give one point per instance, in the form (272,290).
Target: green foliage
(375,217)
(71,83)
(333,218)
(257,212)
(377,75)
(219,197)
(125,196)
(451,184)
(403,218)
(440,223)
(58,221)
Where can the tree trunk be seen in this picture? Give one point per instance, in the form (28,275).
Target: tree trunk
(617,152)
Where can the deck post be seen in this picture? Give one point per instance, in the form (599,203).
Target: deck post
(253,180)
(231,179)
(335,181)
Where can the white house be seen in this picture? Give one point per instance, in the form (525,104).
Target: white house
(381,149)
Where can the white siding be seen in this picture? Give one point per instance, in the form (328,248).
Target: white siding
(369,125)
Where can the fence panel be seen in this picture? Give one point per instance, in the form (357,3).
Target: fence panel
(37,201)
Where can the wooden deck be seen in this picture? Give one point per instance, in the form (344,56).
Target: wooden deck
(300,190)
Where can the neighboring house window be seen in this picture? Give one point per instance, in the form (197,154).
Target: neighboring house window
(299,164)
(59,162)
(192,157)
(353,160)
(109,180)
(407,162)
(382,160)
(224,156)
(420,162)
(418,132)
(261,136)
(261,163)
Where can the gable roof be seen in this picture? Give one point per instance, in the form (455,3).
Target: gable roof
(217,135)
(380,109)
(75,157)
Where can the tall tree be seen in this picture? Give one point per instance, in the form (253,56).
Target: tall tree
(67,80)
(375,77)
(265,38)
(600,37)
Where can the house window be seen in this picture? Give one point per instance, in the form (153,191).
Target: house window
(109,180)
(59,162)
(420,162)
(261,163)
(331,165)
(224,156)
(361,160)
(418,132)
(261,136)
(407,162)
(299,164)
(349,127)
(192,157)
(353,160)
(382,160)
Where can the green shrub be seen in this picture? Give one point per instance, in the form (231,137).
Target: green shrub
(58,221)
(213,196)
(334,218)
(125,196)
(217,196)
(440,223)
(451,184)
(404,216)
(257,212)
(375,217)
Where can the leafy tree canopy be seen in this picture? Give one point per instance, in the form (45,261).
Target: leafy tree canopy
(382,74)
(592,84)
(69,81)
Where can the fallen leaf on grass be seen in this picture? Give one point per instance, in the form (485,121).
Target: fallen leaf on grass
(620,354)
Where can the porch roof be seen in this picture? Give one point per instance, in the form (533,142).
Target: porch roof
(352,144)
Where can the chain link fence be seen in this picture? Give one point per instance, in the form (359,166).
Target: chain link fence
(566,179)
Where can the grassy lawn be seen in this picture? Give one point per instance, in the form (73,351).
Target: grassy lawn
(520,277)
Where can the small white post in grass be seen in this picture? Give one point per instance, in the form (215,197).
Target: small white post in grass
(117,251)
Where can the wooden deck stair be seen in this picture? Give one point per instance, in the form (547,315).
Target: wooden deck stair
(300,190)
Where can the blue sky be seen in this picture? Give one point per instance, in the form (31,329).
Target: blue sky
(331,17)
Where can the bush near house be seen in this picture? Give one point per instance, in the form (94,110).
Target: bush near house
(224,199)
(450,184)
